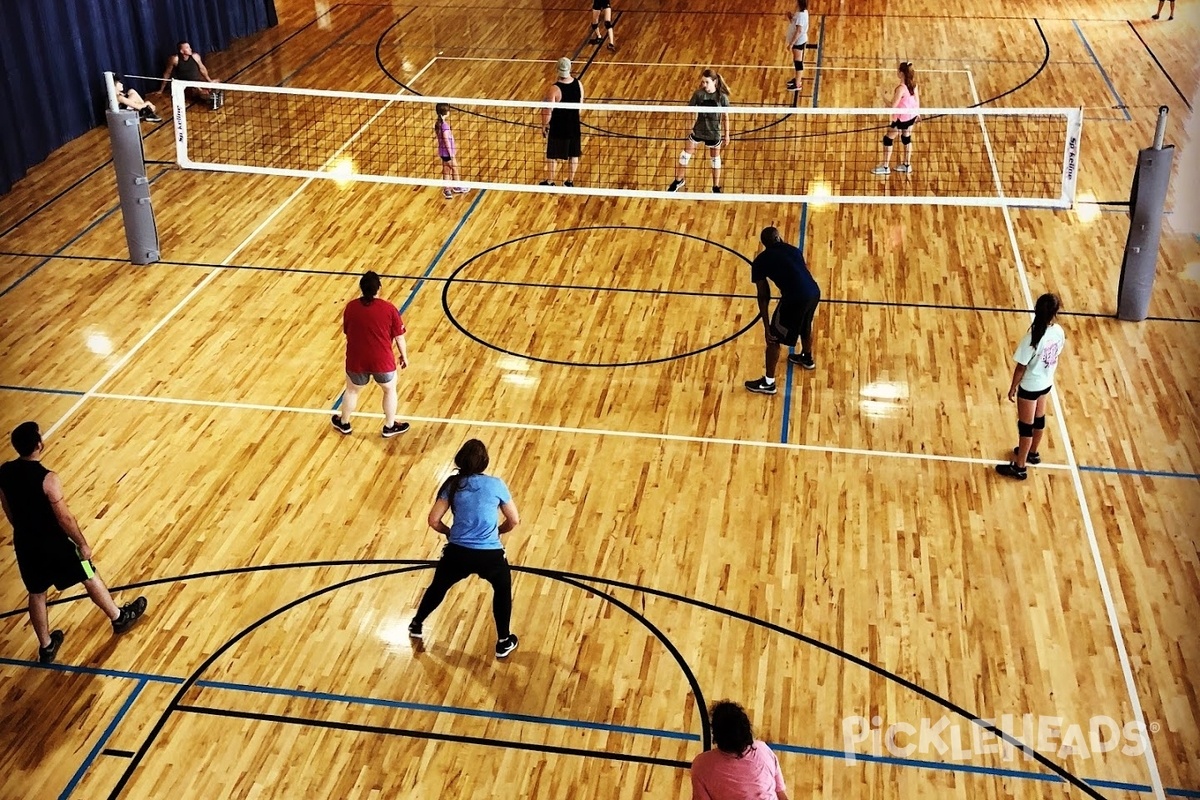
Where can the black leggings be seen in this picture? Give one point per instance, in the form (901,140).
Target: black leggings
(459,563)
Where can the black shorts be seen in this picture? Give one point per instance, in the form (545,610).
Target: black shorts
(793,319)
(54,563)
(561,149)
(1024,395)
(717,142)
(600,5)
(447,159)
(902,125)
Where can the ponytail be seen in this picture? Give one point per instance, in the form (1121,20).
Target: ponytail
(1044,311)
(910,76)
(471,459)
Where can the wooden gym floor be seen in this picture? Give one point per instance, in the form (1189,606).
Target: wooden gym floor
(840,550)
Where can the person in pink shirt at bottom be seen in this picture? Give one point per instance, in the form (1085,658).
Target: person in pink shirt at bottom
(741,767)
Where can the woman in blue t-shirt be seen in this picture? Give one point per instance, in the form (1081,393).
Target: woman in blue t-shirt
(473,546)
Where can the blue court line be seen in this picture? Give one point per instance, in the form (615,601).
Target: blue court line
(785,423)
(1108,81)
(432,265)
(77,669)
(40,390)
(146,678)
(112,726)
(1148,473)
(457,711)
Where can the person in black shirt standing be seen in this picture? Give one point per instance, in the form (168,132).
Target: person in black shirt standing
(783,264)
(561,126)
(50,546)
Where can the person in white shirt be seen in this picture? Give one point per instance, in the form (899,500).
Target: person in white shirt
(1037,357)
(797,40)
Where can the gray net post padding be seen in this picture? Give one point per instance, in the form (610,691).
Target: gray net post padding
(1146,201)
(141,234)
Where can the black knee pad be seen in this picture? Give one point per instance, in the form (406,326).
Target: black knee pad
(799,65)
(1039,423)
(1024,429)
(608,23)
(888,141)
(905,139)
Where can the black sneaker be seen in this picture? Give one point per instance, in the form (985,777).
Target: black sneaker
(342,427)
(676,185)
(761,386)
(395,429)
(47,654)
(546,183)
(717,190)
(612,46)
(802,360)
(569,183)
(791,86)
(595,40)
(1032,458)
(1011,471)
(415,631)
(130,613)
(507,645)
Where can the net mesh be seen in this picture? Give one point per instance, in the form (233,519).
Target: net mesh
(960,156)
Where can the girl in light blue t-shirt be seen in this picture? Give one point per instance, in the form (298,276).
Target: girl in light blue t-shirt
(1037,357)
(473,547)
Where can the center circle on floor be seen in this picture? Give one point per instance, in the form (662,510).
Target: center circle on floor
(539,296)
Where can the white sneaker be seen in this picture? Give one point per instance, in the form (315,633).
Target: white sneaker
(904,168)
(882,171)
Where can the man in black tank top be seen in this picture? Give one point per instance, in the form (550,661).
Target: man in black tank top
(50,546)
(561,126)
(186,65)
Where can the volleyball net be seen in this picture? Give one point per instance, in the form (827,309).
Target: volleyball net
(978,156)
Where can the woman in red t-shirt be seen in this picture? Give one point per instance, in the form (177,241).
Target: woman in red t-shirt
(372,325)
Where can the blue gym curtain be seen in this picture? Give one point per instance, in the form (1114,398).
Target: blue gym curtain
(53,54)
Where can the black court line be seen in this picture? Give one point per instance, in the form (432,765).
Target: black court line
(1163,69)
(46,260)
(411,565)
(579,287)
(104,164)
(432,735)
(177,704)
(109,751)
(596,52)
(177,700)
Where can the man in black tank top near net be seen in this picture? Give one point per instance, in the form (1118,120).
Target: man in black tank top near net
(186,65)
(561,126)
(50,546)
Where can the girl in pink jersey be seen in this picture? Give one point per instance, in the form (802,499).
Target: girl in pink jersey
(905,104)
(446,150)
(740,767)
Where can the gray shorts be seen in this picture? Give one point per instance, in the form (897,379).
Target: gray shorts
(363,378)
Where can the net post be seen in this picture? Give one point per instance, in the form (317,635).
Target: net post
(133,187)
(1147,199)
(110,86)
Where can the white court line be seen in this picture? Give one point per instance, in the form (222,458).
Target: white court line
(123,360)
(1110,607)
(525,426)
(670,64)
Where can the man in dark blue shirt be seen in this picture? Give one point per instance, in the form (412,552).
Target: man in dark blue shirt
(783,265)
